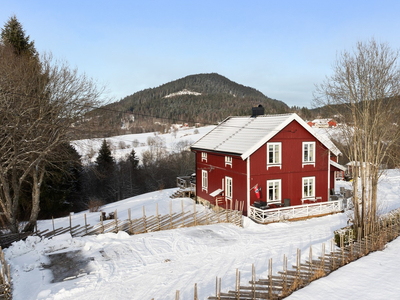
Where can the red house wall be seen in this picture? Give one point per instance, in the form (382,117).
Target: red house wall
(216,169)
(292,171)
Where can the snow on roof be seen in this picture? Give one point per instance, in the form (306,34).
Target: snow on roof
(336,165)
(244,135)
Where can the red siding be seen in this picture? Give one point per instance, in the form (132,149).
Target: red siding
(216,169)
(291,173)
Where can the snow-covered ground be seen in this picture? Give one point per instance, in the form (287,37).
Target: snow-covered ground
(122,145)
(155,265)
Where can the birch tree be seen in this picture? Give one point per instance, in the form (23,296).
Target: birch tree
(40,99)
(363,92)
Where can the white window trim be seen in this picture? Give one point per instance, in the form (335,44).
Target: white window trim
(269,165)
(204,156)
(228,161)
(279,200)
(204,180)
(305,163)
(227,191)
(304,179)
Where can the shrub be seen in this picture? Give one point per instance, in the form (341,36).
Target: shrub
(94,204)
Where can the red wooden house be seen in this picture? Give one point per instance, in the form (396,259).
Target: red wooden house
(275,160)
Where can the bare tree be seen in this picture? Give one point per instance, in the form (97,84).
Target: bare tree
(39,102)
(363,92)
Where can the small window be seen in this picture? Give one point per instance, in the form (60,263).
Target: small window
(309,187)
(228,161)
(274,190)
(308,153)
(274,154)
(204,180)
(204,156)
(228,188)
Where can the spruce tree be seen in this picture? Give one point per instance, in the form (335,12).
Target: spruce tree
(13,34)
(133,159)
(105,171)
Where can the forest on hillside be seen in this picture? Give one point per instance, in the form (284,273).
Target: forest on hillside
(150,110)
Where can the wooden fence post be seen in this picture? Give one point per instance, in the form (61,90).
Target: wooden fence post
(70,223)
(195,292)
(183,215)
(86,224)
(130,221)
(170,214)
(144,220)
(102,224)
(158,218)
(116,221)
(194,211)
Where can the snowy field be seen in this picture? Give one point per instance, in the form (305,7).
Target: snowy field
(122,145)
(155,265)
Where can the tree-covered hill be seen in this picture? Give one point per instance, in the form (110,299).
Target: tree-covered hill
(201,98)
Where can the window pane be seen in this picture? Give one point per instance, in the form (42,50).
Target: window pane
(277,154)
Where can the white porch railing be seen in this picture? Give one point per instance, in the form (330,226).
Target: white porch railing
(294,212)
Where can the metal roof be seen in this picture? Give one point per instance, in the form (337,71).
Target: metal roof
(244,135)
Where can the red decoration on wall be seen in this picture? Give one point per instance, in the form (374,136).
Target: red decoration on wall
(257,190)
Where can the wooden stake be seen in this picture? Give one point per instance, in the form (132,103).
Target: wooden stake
(144,219)
(194,211)
(195,292)
(85,224)
(102,225)
(130,221)
(158,218)
(116,221)
(216,286)
(170,214)
(183,215)
(270,278)
(219,291)
(52,219)
(70,223)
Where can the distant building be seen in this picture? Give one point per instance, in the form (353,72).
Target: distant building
(322,123)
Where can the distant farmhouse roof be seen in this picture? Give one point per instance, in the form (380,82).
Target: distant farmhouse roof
(244,135)
(322,123)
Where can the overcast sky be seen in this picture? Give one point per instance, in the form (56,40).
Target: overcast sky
(281,48)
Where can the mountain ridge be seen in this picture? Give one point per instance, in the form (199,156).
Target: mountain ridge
(212,98)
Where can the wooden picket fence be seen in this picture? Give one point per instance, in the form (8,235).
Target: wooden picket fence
(143,224)
(287,281)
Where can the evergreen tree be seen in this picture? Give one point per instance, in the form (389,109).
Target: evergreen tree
(133,159)
(13,34)
(105,171)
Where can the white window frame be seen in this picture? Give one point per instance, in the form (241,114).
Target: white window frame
(228,187)
(204,156)
(306,183)
(228,161)
(277,161)
(278,198)
(308,159)
(204,180)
